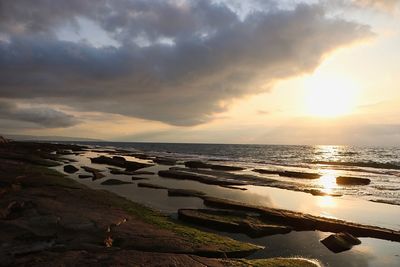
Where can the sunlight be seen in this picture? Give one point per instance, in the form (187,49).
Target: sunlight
(328,181)
(330,96)
(326,202)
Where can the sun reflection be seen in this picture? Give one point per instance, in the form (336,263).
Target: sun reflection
(328,180)
(326,202)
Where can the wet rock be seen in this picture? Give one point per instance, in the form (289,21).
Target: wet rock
(345,180)
(70,169)
(306,222)
(95,172)
(207,179)
(84,176)
(90,169)
(143,173)
(140,156)
(114,182)
(203,165)
(152,186)
(340,242)
(135,178)
(185,193)
(291,174)
(120,158)
(230,221)
(317,192)
(119,171)
(165,161)
(120,162)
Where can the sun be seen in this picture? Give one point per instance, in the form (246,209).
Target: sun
(330,96)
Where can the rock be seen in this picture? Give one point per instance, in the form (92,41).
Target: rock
(340,242)
(14,209)
(90,169)
(70,169)
(135,178)
(114,182)
(120,162)
(3,140)
(317,192)
(292,174)
(230,221)
(165,161)
(305,222)
(185,193)
(119,172)
(152,186)
(95,172)
(207,179)
(345,180)
(119,158)
(84,176)
(203,165)
(142,173)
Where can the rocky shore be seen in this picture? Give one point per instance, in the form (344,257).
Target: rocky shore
(48,219)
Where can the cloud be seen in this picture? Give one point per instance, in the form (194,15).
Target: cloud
(42,116)
(387,5)
(178,62)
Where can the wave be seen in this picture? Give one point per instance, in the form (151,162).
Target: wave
(369,164)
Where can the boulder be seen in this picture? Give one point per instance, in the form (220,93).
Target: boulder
(345,180)
(340,242)
(70,169)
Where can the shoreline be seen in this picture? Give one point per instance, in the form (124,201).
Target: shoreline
(111,175)
(49,218)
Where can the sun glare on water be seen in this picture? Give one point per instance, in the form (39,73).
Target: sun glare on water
(330,96)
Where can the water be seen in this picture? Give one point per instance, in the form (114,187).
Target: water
(380,165)
(354,206)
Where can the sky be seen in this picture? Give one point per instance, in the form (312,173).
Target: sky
(209,71)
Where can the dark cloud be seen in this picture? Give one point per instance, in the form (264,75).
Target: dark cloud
(177,62)
(42,116)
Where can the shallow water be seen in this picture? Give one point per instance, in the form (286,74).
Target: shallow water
(372,252)
(380,165)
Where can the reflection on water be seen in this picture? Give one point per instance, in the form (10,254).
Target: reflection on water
(328,180)
(326,202)
(327,153)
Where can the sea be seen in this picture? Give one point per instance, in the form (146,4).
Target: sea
(379,164)
(377,203)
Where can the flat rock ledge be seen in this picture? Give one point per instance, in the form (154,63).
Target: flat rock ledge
(121,162)
(232,180)
(204,165)
(305,222)
(291,174)
(231,221)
